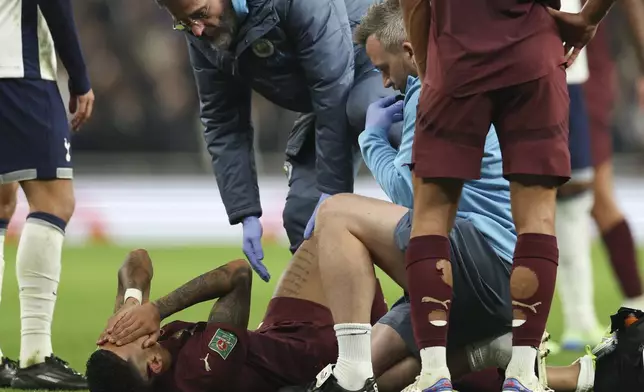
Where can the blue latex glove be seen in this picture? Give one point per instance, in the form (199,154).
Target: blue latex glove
(308,231)
(384,112)
(252,246)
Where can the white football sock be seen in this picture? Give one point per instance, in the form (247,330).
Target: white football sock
(490,353)
(2,234)
(522,364)
(354,355)
(574,274)
(38,265)
(586,379)
(433,360)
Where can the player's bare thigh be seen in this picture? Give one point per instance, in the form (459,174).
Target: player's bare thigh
(372,222)
(301,279)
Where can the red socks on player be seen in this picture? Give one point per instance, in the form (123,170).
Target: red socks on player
(532,286)
(621,249)
(429,276)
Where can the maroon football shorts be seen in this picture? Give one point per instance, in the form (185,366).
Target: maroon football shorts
(531,121)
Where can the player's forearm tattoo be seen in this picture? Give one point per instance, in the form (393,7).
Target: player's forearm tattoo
(135,273)
(230,283)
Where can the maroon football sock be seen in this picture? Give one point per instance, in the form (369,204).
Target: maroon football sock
(532,286)
(621,249)
(379,305)
(427,262)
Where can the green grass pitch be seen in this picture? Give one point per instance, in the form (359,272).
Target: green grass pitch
(88,286)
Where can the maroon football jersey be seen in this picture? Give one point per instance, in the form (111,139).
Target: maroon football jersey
(483,45)
(219,357)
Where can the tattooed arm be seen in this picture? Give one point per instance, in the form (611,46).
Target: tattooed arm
(135,273)
(231,283)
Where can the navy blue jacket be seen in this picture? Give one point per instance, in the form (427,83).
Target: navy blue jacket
(298,54)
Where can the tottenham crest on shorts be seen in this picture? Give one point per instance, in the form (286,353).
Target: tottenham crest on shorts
(223,343)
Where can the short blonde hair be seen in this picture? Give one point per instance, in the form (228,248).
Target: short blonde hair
(384,21)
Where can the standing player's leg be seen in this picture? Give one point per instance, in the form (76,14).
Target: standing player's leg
(574,202)
(532,125)
(7,208)
(613,226)
(35,125)
(617,236)
(448,149)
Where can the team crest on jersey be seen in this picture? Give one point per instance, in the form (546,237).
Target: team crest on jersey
(223,343)
(263,48)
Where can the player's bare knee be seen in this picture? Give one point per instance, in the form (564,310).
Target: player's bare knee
(334,209)
(53,197)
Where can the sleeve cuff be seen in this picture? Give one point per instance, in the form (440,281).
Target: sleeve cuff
(238,215)
(79,85)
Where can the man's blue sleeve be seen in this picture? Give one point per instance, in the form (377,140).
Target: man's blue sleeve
(60,20)
(322,36)
(225,112)
(387,167)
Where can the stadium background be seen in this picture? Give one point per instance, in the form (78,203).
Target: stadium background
(143,179)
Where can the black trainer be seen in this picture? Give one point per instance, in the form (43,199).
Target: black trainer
(7,371)
(325,381)
(53,374)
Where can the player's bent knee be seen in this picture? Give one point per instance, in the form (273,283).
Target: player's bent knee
(335,207)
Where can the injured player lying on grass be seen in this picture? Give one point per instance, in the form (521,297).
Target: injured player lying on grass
(290,347)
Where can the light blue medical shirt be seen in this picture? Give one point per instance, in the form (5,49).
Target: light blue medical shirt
(485,202)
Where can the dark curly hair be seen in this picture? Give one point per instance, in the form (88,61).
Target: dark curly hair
(107,372)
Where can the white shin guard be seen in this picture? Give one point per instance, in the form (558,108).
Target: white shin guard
(38,265)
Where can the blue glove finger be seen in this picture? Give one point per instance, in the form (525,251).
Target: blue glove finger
(308,231)
(256,264)
(386,101)
(397,117)
(259,267)
(396,107)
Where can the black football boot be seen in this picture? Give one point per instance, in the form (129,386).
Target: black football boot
(53,374)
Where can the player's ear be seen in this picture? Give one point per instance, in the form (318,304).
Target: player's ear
(409,50)
(155,363)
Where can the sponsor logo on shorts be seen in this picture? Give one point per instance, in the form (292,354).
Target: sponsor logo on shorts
(223,343)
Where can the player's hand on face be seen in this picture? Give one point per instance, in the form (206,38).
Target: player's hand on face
(575,32)
(81,107)
(384,112)
(104,338)
(135,323)
(252,246)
